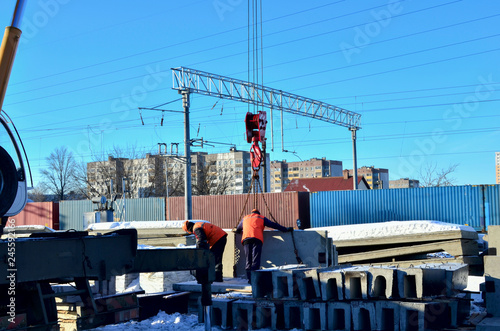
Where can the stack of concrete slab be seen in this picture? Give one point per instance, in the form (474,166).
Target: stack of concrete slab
(425,297)
(459,244)
(491,286)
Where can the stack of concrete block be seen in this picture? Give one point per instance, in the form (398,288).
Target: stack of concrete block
(491,287)
(427,297)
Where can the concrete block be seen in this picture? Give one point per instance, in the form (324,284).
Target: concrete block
(262,283)
(491,293)
(384,283)
(268,315)
(123,282)
(492,266)
(457,275)
(417,283)
(293,312)
(356,283)
(331,284)
(387,315)
(154,282)
(338,316)
(285,282)
(494,237)
(363,315)
(315,316)
(222,313)
(308,284)
(489,323)
(421,316)
(243,314)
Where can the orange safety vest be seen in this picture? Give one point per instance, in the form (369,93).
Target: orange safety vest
(213,232)
(253,227)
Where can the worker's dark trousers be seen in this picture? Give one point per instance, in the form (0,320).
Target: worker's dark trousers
(218,250)
(253,252)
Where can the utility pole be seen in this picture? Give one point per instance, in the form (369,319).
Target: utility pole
(355,161)
(165,153)
(187,152)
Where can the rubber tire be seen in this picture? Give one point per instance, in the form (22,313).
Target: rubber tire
(8,181)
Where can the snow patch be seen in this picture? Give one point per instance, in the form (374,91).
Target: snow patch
(392,228)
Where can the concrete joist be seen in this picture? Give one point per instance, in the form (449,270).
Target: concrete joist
(422,316)
(415,283)
(222,312)
(308,284)
(243,312)
(456,275)
(285,283)
(356,283)
(338,316)
(315,316)
(293,312)
(387,315)
(363,315)
(384,283)
(331,284)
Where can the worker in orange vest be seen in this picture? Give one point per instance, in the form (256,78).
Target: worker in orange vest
(252,226)
(209,236)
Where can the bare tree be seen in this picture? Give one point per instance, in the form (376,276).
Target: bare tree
(59,177)
(37,194)
(431,176)
(213,180)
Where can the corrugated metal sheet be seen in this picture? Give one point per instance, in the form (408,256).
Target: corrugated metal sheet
(226,210)
(492,204)
(39,213)
(71,214)
(144,209)
(452,204)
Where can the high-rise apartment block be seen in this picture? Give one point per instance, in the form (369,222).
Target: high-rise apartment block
(282,171)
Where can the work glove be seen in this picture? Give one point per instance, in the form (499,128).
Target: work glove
(202,245)
(289,229)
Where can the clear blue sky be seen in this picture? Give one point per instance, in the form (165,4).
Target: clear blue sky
(423,74)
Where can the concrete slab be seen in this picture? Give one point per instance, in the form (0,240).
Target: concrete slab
(338,316)
(357,281)
(331,284)
(416,283)
(384,283)
(314,248)
(387,315)
(493,239)
(229,284)
(492,266)
(315,316)
(489,323)
(422,316)
(293,312)
(491,293)
(363,315)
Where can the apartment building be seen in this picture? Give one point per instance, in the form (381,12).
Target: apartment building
(404,183)
(377,178)
(282,172)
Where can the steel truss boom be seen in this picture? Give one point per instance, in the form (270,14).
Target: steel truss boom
(196,81)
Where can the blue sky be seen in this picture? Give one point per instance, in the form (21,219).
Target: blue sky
(424,75)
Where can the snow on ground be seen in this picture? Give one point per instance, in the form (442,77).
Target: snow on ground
(137,225)
(385,229)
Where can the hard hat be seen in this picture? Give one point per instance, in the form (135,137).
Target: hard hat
(255,211)
(185,226)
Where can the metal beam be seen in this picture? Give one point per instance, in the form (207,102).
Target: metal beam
(196,81)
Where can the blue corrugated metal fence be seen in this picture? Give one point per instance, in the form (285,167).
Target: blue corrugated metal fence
(477,206)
